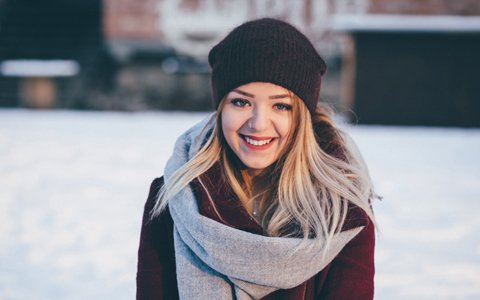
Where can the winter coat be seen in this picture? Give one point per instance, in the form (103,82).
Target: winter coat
(349,276)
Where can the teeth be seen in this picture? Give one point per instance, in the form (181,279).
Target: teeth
(257,143)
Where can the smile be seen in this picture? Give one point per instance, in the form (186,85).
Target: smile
(257,143)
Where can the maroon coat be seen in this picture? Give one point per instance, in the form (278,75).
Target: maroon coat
(348,276)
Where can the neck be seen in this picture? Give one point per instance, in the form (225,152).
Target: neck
(259,187)
(258,181)
(253,173)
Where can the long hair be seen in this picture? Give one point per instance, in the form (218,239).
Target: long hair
(311,184)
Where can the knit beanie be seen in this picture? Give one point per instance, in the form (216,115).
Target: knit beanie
(267,50)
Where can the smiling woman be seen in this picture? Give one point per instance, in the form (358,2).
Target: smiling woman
(266,198)
(257,126)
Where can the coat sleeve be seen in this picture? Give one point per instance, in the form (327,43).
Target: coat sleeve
(351,274)
(156,278)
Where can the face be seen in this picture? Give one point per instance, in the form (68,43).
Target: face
(256,121)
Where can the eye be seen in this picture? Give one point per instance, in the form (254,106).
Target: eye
(239,102)
(283,106)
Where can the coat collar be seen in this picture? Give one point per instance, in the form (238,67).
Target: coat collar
(217,201)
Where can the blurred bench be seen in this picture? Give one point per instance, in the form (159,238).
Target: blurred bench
(38,88)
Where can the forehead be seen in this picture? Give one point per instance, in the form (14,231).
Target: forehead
(260,89)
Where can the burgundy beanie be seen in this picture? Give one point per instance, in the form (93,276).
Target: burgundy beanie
(267,50)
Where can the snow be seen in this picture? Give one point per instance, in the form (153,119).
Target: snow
(73,186)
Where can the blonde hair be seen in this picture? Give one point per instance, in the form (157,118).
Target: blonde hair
(312,183)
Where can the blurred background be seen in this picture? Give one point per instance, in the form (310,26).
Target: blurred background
(408,62)
(93,94)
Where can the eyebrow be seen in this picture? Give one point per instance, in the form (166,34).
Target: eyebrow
(253,96)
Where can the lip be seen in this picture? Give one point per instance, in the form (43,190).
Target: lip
(256,138)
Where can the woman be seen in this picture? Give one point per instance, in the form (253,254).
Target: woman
(266,198)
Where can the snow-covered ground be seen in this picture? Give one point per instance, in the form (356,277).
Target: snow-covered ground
(73,186)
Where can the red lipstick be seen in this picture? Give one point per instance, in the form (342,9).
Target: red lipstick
(246,138)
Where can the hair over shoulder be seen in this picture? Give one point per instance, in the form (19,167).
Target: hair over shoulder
(317,177)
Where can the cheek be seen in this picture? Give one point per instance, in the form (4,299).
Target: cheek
(229,126)
(284,127)
(226,122)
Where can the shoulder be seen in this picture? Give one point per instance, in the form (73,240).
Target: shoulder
(158,231)
(356,217)
(164,218)
(156,184)
(155,187)
(156,255)
(350,275)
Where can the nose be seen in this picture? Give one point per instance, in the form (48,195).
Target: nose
(259,120)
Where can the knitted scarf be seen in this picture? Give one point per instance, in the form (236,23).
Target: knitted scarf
(215,261)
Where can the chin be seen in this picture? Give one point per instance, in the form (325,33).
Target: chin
(256,166)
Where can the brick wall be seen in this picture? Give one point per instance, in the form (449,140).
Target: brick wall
(426,7)
(127,19)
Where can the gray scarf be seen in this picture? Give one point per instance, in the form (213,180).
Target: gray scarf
(215,261)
